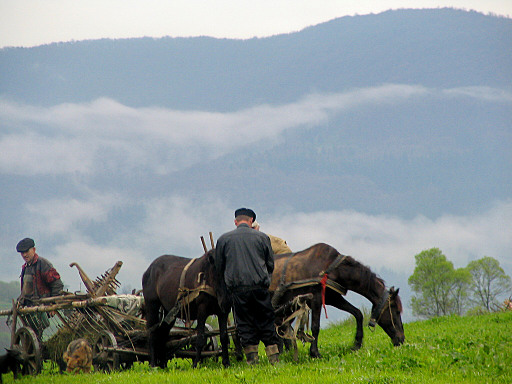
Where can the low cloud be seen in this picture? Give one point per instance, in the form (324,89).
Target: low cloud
(174,225)
(105,136)
(69,215)
(391,242)
(481,93)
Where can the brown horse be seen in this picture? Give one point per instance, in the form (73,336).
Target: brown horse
(323,271)
(185,288)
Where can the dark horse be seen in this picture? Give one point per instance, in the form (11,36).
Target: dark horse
(305,270)
(163,283)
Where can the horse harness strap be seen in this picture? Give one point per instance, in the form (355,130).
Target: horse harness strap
(189,295)
(334,264)
(323,280)
(325,277)
(283,273)
(184,273)
(186,295)
(315,281)
(301,313)
(379,309)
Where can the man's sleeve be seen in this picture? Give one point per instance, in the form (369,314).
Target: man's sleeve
(52,278)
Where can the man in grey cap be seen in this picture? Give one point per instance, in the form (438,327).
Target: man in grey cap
(38,279)
(245,261)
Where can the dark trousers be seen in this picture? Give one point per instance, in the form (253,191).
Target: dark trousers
(254,317)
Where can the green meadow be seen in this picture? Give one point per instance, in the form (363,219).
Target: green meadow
(470,349)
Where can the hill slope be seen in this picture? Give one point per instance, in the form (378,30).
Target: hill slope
(443,350)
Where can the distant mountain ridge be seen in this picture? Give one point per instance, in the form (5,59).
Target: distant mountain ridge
(439,47)
(428,155)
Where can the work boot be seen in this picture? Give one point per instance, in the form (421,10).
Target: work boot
(251,354)
(272,354)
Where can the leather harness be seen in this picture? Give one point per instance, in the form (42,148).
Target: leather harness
(322,279)
(186,296)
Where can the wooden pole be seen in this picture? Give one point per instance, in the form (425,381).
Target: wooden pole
(211,240)
(89,285)
(204,244)
(14,321)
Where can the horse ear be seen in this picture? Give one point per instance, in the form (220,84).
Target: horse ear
(393,292)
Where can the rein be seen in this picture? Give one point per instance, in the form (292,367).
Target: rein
(379,310)
(325,278)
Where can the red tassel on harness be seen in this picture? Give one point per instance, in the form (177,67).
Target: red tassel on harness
(323,283)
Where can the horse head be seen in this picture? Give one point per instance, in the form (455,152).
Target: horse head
(388,314)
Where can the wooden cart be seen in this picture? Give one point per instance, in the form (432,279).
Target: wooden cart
(113,324)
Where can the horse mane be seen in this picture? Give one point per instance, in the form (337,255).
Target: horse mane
(368,277)
(398,302)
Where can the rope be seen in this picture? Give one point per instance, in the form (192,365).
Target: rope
(323,283)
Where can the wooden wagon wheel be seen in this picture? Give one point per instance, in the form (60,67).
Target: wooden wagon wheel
(25,340)
(104,357)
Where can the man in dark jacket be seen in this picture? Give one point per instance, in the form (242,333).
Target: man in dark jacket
(38,279)
(244,259)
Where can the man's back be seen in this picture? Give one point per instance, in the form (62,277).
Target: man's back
(246,256)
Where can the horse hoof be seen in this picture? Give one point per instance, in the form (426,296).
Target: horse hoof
(356,347)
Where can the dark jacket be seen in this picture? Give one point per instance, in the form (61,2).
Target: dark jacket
(40,279)
(244,258)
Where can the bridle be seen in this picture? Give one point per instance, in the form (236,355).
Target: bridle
(379,309)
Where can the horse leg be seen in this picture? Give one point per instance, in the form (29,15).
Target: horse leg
(201,338)
(158,335)
(316,311)
(152,320)
(339,302)
(224,338)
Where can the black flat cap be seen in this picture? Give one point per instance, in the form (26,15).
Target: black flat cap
(245,212)
(25,244)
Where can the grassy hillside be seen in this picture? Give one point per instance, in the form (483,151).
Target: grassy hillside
(444,350)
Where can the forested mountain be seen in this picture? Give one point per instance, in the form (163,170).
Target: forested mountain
(435,48)
(377,152)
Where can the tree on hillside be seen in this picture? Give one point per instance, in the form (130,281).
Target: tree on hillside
(489,282)
(433,280)
(460,290)
(441,290)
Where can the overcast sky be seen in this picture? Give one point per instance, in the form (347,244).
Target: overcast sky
(36,22)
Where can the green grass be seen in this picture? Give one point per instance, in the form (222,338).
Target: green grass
(476,349)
